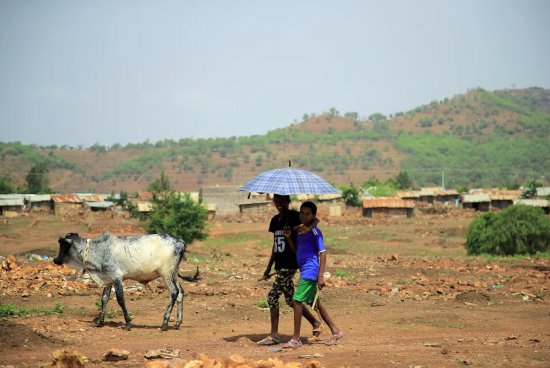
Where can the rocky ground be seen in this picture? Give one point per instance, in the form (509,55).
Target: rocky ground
(402,290)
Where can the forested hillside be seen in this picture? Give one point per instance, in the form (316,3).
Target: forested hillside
(480,138)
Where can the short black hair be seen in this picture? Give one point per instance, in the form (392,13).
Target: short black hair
(311,206)
(287,197)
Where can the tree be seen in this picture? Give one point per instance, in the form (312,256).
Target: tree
(530,188)
(518,229)
(37,179)
(5,185)
(402,181)
(177,215)
(377,117)
(351,196)
(160,184)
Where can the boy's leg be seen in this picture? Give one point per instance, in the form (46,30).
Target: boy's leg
(336,332)
(311,318)
(298,311)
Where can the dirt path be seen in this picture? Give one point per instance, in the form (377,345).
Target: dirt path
(397,310)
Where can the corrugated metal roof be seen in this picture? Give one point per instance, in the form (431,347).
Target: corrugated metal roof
(66,198)
(476,198)
(12,202)
(407,194)
(503,194)
(387,202)
(543,191)
(100,204)
(11,196)
(533,202)
(38,197)
(91,197)
(145,195)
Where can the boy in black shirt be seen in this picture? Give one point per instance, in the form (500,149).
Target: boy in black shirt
(285,266)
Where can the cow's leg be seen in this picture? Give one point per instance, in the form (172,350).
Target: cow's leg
(180,307)
(104,300)
(174,290)
(120,299)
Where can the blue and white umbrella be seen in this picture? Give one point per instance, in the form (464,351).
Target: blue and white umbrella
(289,181)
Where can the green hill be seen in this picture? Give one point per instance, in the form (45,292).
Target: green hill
(480,138)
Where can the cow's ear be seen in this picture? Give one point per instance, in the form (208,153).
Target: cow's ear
(65,241)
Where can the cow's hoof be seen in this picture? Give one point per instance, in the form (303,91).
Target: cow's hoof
(176,327)
(164,327)
(128,326)
(98,323)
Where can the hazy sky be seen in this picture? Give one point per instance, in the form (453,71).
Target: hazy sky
(80,72)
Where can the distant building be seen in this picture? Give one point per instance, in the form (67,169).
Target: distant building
(67,204)
(543,204)
(478,202)
(11,204)
(384,206)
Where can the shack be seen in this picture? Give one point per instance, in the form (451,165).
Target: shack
(38,203)
(478,201)
(387,206)
(501,198)
(67,205)
(11,205)
(543,204)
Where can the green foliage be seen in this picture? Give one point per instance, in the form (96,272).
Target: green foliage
(530,188)
(516,230)
(351,196)
(377,117)
(262,304)
(177,215)
(37,179)
(160,184)
(10,310)
(480,161)
(5,185)
(402,181)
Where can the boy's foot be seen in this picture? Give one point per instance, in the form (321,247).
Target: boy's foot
(338,336)
(317,329)
(268,341)
(292,344)
(335,338)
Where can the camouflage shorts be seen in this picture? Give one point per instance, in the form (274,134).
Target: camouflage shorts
(284,284)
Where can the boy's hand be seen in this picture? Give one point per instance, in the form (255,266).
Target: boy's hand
(286,231)
(302,229)
(321,282)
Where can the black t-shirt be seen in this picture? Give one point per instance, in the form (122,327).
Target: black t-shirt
(284,257)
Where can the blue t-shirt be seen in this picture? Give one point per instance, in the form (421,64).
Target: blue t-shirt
(310,245)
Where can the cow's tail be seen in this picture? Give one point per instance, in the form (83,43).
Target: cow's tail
(196,277)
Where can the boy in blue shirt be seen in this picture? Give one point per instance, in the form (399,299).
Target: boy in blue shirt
(284,259)
(310,251)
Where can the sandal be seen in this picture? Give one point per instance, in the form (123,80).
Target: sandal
(335,338)
(268,341)
(314,340)
(292,344)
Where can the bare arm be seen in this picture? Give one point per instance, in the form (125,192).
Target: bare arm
(302,229)
(322,263)
(289,240)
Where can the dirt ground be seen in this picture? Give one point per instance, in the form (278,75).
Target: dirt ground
(402,290)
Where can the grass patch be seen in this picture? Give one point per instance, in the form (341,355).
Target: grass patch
(343,274)
(262,304)
(10,310)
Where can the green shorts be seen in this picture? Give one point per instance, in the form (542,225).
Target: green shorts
(305,291)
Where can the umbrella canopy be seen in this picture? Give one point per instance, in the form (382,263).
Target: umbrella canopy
(289,181)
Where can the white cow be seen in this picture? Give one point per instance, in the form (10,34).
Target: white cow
(110,259)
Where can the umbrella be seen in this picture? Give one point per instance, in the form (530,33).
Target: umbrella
(289,181)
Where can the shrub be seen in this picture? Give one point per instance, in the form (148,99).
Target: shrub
(516,230)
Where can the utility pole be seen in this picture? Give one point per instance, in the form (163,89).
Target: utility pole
(443,179)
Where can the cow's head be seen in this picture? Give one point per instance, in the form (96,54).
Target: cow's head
(64,246)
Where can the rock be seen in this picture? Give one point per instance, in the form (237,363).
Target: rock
(66,358)
(115,355)
(167,353)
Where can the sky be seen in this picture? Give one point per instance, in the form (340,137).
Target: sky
(79,72)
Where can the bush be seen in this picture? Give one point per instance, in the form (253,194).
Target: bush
(516,230)
(178,216)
